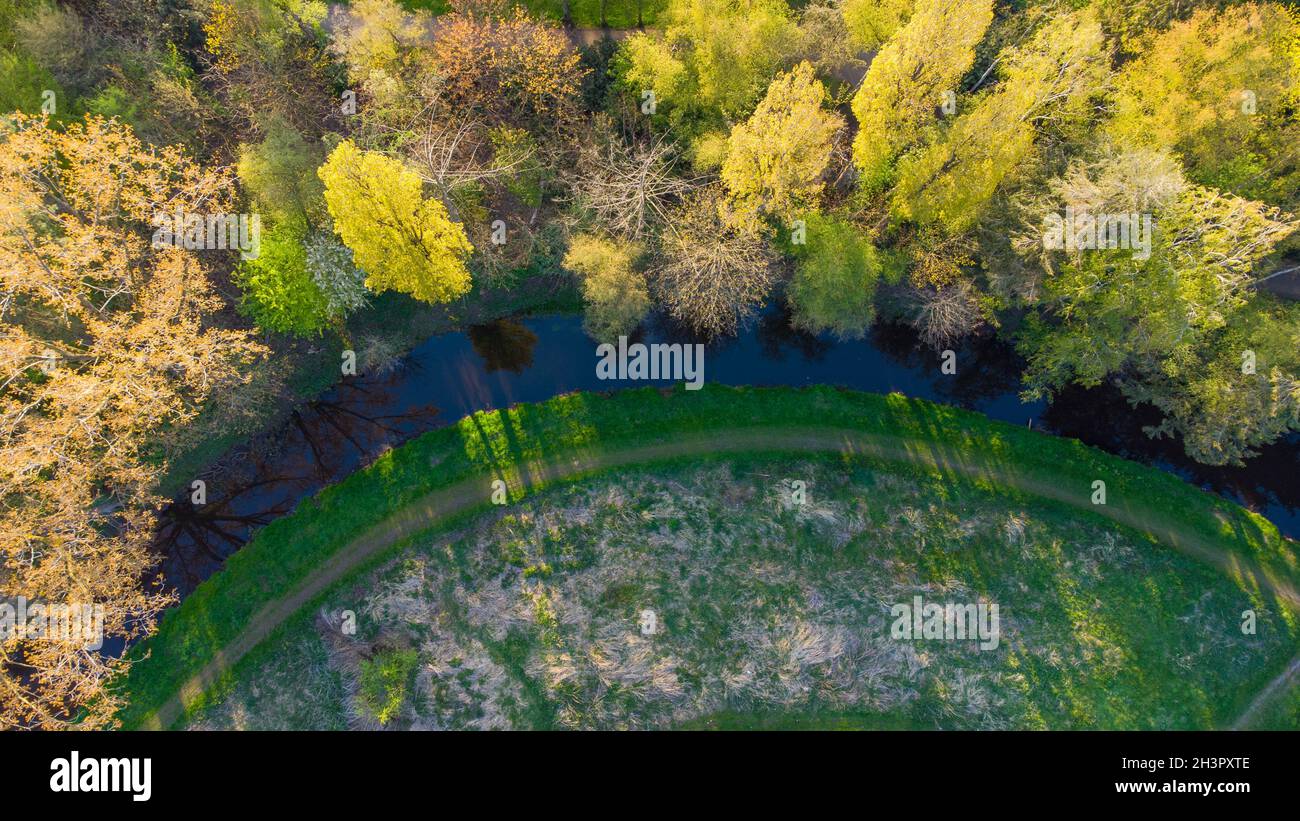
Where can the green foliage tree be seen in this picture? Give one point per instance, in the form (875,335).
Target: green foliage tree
(515,157)
(1234,389)
(1170,327)
(402,241)
(335,273)
(279,293)
(615,292)
(835,276)
(903,89)
(279,174)
(776,159)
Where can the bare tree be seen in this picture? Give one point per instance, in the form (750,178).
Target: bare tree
(947,314)
(711,276)
(630,189)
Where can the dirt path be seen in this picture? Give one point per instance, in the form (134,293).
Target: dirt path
(472,493)
(1285,680)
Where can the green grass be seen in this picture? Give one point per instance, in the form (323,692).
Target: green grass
(1101,627)
(497,442)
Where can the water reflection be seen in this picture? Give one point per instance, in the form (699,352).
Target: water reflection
(266,477)
(510,361)
(504,345)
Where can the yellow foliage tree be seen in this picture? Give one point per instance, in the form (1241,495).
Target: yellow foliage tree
(775,160)
(905,85)
(403,241)
(109,344)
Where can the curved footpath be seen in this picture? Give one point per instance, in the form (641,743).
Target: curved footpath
(960,458)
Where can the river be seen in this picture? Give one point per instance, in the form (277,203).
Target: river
(526,360)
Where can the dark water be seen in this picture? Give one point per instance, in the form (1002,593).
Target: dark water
(494,366)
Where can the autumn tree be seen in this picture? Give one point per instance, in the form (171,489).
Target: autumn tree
(267,57)
(1218,89)
(509,67)
(872,22)
(1129,23)
(1234,389)
(379,39)
(712,63)
(905,84)
(825,41)
(384,49)
(402,241)
(109,344)
(776,158)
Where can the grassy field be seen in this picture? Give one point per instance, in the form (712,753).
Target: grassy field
(770,614)
(500,443)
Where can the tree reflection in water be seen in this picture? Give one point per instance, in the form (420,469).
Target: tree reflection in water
(321,442)
(505,345)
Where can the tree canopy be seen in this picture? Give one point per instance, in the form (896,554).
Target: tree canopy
(402,241)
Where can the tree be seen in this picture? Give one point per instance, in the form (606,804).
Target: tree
(403,241)
(824,41)
(110,344)
(1169,327)
(872,22)
(510,67)
(711,276)
(1235,390)
(834,284)
(279,292)
(332,268)
(945,314)
(1129,22)
(903,88)
(267,58)
(714,61)
(382,46)
(948,182)
(379,37)
(1217,90)
(279,174)
(628,189)
(776,159)
(615,292)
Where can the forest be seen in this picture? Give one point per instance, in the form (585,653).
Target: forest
(204,203)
